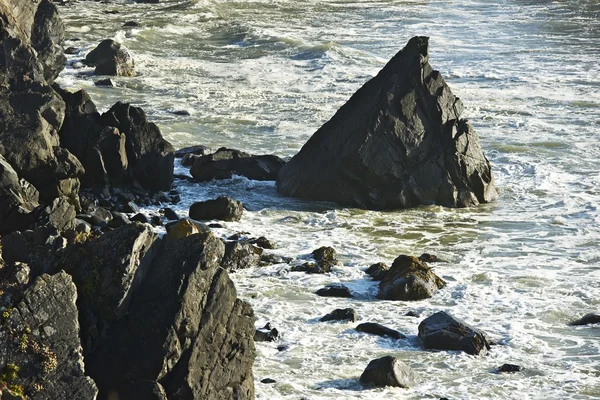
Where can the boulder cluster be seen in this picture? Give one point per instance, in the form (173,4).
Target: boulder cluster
(93,302)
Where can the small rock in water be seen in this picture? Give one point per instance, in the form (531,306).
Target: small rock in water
(266,334)
(377,271)
(223,208)
(509,368)
(409,279)
(442,331)
(412,313)
(105,82)
(71,50)
(215,225)
(283,347)
(339,314)
(379,330)
(180,112)
(587,319)
(429,258)
(388,371)
(334,290)
(268,380)
(263,242)
(131,24)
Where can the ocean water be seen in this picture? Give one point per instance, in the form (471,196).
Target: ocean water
(263,75)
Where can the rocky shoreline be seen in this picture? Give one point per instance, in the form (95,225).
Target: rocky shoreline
(96,304)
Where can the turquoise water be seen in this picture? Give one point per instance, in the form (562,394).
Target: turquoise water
(262,76)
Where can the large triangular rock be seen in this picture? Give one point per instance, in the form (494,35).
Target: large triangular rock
(398,142)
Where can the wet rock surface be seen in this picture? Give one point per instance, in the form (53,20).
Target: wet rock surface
(225,163)
(379,330)
(222,208)
(388,371)
(442,331)
(409,279)
(398,142)
(341,314)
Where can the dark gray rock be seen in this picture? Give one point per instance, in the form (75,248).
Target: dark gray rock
(587,319)
(29,141)
(510,368)
(227,162)
(110,58)
(222,208)
(377,271)
(379,330)
(185,328)
(105,82)
(60,214)
(429,258)
(266,334)
(339,314)
(147,390)
(326,258)
(271,259)
(108,270)
(139,217)
(40,340)
(71,50)
(18,198)
(442,331)
(398,142)
(263,243)
(170,214)
(149,155)
(198,150)
(32,38)
(268,380)
(47,37)
(388,371)
(409,279)
(118,220)
(334,290)
(131,24)
(240,255)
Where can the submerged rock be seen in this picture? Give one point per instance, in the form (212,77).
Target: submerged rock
(341,314)
(398,142)
(510,368)
(334,290)
(326,258)
(388,371)
(587,320)
(444,332)
(225,163)
(379,330)
(409,279)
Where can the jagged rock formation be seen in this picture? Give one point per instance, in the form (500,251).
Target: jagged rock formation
(40,343)
(110,58)
(18,198)
(398,142)
(117,147)
(184,330)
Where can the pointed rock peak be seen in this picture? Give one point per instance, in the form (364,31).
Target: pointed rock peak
(398,142)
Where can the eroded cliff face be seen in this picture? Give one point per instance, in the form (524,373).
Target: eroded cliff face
(398,142)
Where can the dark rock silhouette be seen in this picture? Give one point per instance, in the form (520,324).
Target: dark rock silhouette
(222,208)
(409,279)
(388,371)
(398,142)
(227,162)
(110,58)
(379,330)
(341,314)
(444,332)
(587,319)
(334,290)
